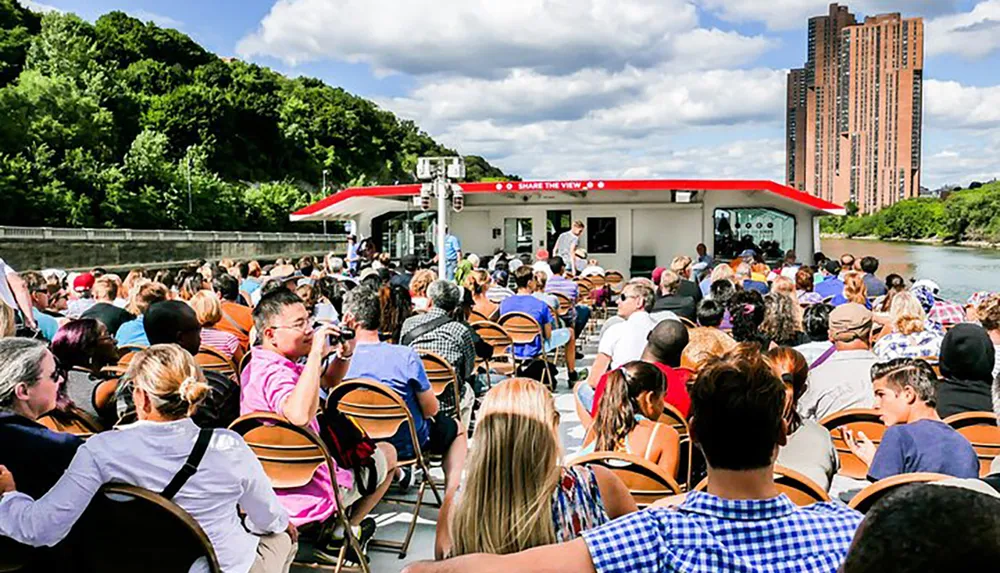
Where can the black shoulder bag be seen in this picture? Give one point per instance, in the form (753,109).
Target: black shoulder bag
(423,329)
(190,466)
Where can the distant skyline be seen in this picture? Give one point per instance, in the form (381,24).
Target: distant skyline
(599,88)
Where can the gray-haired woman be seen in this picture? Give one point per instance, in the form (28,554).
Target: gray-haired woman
(29,384)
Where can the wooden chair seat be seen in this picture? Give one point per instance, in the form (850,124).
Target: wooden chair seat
(857,420)
(646,481)
(981,429)
(869,496)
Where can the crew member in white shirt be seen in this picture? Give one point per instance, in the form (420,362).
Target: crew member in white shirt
(167,388)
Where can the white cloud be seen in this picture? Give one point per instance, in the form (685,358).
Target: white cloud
(627,102)
(793,14)
(973,34)
(951,105)
(38,6)
(158,19)
(962,163)
(480,37)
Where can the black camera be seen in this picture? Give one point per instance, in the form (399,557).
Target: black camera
(345,335)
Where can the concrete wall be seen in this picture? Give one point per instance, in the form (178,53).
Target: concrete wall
(41,254)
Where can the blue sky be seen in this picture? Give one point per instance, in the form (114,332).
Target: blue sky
(599,88)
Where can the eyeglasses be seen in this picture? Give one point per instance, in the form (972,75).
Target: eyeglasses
(304,327)
(623,297)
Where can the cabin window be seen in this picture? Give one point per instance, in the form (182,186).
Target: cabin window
(768,232)
(602,235)
(517,235)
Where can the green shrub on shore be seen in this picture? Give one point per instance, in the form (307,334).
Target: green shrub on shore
(967,215)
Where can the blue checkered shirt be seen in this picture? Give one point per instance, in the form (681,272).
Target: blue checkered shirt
(711,534)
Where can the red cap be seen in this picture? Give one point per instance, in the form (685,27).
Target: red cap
(541,255)
(83,282)
(657,273)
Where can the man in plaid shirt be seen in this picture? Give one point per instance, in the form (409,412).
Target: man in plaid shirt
(741,524)
(450,339)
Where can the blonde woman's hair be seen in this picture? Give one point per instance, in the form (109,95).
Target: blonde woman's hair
(477,282)
(906,314)
(420,281)
(855,289)
(783,285)
(171,378)
(144,293)
(207,307)
(8,326)
(506,503)
(723,273)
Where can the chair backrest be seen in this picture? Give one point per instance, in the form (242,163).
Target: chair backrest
(646,481)
(476,317)
(522,328)
(71,421)
(213,359)
(565,303)
(494,335)
(869,496)
(858,420)
(378,409)
(981,429)
(583,288)
(687,322)
(125,352)
(289,454)
(244,361)
(614,278)
(597,281)
(799,488)
(441,375)
(150,533)
(673,418)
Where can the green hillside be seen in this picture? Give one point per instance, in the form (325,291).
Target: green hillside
(106,124)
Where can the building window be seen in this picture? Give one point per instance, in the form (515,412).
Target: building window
(517,236)
(602,235)
(767,231)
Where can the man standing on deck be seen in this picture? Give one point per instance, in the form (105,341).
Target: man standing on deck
(452,254)
(565,247)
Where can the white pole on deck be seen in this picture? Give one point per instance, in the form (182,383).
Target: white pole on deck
(441,189)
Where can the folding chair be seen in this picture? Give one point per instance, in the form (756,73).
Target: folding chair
(494,335)
(673,418)
(799,488)
(213,359)
(72,421)
(980,428)
(869,496)
(523,329)
(244,361)
(382,412)
(151,534)
(646,481)
(127,353)
(476,317)
(442,377)
(566,304)
(856,420)
(615,280)
(291,455)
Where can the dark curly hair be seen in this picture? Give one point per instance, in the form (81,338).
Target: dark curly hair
(746,311)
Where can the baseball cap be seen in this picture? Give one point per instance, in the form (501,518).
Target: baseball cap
(83,282)
(542,255)
(749,253)
(832,266)
(849,322)
(924,296)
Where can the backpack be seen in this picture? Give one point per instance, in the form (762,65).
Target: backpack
(351,447)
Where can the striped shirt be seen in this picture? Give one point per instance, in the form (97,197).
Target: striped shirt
(224,342)
(559,284)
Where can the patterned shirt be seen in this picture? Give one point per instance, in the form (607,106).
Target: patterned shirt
(452,341)
(917,345)
(945,312)
(224,342)
(576,504)
(710,534)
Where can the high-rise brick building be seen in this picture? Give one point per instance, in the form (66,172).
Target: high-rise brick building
(854,111)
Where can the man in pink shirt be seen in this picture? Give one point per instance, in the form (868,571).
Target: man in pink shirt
(275,380)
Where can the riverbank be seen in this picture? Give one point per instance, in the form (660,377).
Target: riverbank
(928,241)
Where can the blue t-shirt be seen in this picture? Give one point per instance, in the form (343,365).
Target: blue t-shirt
(249,285)
(132,332)
(706,286)
(46,324)
(755,285)
(831,286)
(400,368)
(451,248)
(534,308)
(924,446)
